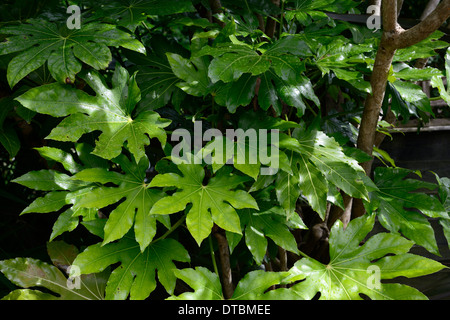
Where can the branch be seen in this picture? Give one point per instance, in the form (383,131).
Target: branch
(426,27)
(432,4)
(389,14)
(394,37)
(224,254)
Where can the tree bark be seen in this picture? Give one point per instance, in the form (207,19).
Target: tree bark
(432,4)
(224,256)
(378,81)
(394,37)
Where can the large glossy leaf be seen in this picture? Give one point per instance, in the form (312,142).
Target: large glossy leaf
(279,67)
(232,60)
(251,151)
(437,81)
(269,222)
(63,190)
(343,58)
(402,208)
(130,13)
(136,275)
(274,89)
(155,78)
(193,72)
(212,203)
(31,273)
(318,164)
(110,111)
(138,200)
(236,93)
(423,49)
(8,135)
(62,48)
(444,197)
(354,270)
(206,285)
(326,5)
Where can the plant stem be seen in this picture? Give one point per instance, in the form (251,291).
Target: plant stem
(172,229)
(281,19)
(224,254)
(213,256)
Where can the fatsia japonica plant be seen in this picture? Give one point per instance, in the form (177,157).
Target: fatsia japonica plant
(221,149)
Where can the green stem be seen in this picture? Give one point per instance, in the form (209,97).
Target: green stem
(310,109)
(304,254)
(281,19)
(172,229)
(213,256)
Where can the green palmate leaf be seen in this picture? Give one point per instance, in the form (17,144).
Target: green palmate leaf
(269,222)
(136,275)
(437,81)
(305,179)
(110,111)
(247,151)
(318,163)
(444,192)
(273,87)
(236,93)
(413,97)
(64,190)
(193,72)
(351,271)
(132,187)
(334,5)
(423,49)
(206,285)
(409,73)
(62,48)
(235,60)
(157,81)
(342,58)
(8,135)
(212,203)
(279,68)
(232,60)
(444,197)
(287,191)
(9,140)
(31,273)
(401,207)
(130,13)
(28,273)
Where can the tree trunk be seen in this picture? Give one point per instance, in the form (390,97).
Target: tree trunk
(224,257)
(394,37)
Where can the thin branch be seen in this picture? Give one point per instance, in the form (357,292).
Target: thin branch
(282,254)
(426,27)
(213,256)
(432,4)
(224,255)
(399,7)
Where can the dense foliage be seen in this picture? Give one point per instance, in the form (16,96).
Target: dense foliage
(107,99)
